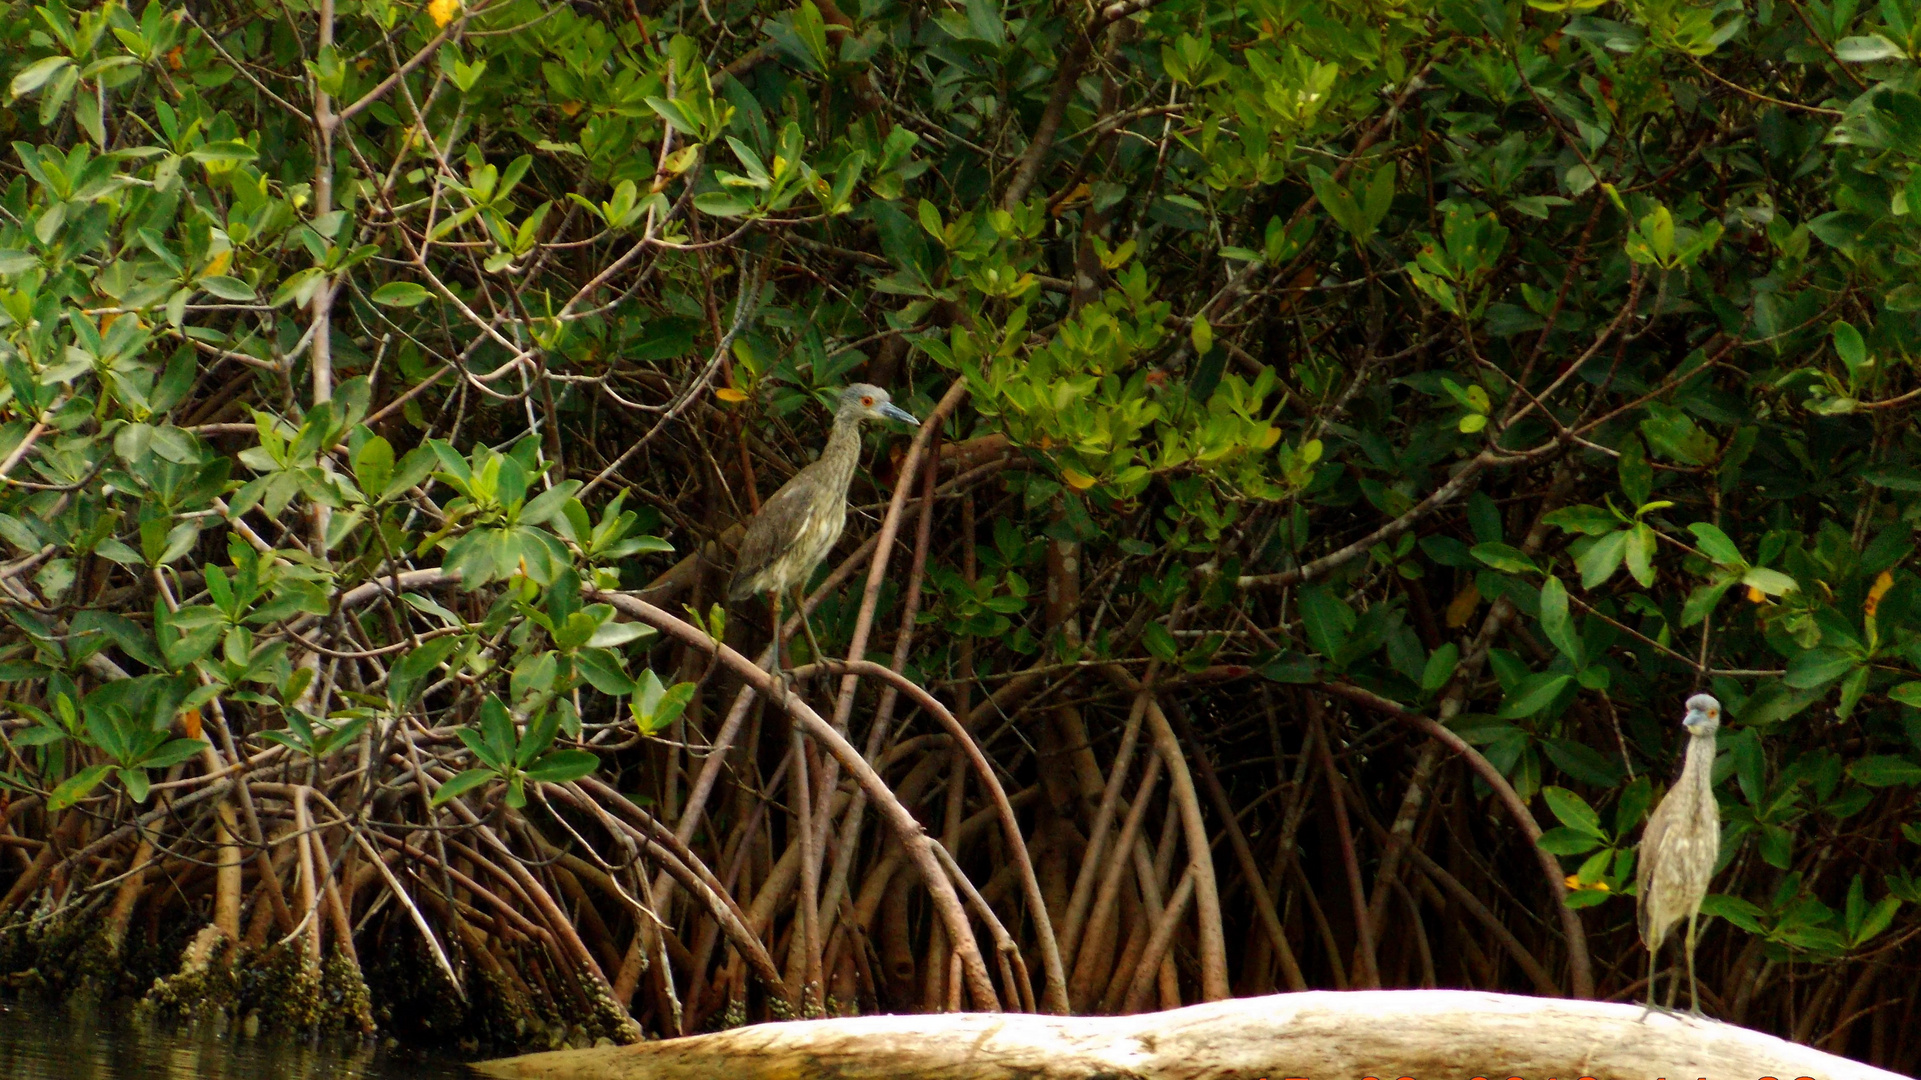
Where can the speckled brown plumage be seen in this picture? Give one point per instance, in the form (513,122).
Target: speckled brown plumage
(1680,846)
(799,524)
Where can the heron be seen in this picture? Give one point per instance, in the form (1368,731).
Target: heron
(1680,846)
(799,524)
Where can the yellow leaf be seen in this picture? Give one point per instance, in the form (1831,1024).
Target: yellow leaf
(219,263)
(192,719)
(442,12)
(680,160)
(1462,608)
(728,393)
(1077,480)
(1268,437)
(1881,586)
(567,108)
(1756,596)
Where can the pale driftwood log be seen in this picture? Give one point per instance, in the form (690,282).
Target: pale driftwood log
(1322,1035)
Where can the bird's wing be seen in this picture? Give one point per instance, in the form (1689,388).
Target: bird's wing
(769,533)
(1645,857)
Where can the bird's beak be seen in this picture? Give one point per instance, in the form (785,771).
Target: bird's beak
(895,412)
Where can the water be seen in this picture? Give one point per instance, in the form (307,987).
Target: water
(49,1042)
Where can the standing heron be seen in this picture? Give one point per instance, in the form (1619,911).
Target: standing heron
(798,525)
(1680,846)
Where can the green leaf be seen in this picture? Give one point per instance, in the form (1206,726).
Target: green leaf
(1818,667)
(461,784)
(1583,762)
(137,783)
(1849,346)
(1893,477)
(228,288)
(1326,618)
(1159,643)
(1878,919)
(1637,476)
(1555,622)
(563,766)
(1702,602)
(1640,554)
(496,732)
(1202,335)
(35,75)
(1532,694)
(173,752)
(1339,203)
(1771,582)
(602,671)
(721,204)
(1291,667)
(1380,197)
(1673,435)
(77,787)
(1567,842)
(540,735)
(374,466)
(1599,562)
(1866,49)
(401,294)
(1885,770)
(548,504)
(1502,557)
(1735,910)
(1587,520)
(1440,668)
(415,664)
(655,706)
(1573,811)
(1715,544)
(1636,797)
(611,634)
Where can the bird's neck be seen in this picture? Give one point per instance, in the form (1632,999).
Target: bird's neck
(842,452)
(1698,772)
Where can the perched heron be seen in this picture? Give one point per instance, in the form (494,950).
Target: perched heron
(1680,846)
(798,525)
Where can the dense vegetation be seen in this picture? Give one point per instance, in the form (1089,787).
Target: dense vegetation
(1354,426)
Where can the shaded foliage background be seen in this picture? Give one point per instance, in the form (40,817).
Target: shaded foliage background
(1355,427)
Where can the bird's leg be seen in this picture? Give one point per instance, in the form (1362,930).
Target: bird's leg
(1674,990)
(1654,952)
(1694,990)
(778,670)
(800,605)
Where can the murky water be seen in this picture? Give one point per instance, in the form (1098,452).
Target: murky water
(50,1042)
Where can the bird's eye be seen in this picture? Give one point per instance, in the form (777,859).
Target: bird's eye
(867,401)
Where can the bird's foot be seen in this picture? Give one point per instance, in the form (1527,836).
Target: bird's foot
(788,682)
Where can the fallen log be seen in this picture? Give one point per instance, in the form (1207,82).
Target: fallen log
(1319,1035)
